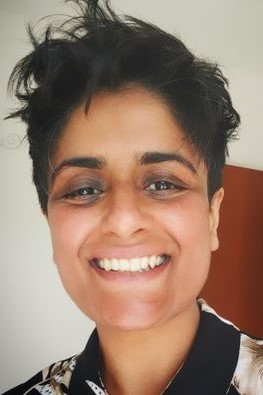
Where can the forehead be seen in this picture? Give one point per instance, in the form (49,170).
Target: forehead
(123,124)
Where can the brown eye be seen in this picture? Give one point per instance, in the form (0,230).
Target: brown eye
(161,186)
(82,193)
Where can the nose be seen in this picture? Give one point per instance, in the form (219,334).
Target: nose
(125,215)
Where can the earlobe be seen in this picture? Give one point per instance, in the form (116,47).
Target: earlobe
(214,218)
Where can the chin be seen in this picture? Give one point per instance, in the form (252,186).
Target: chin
(131,318)
(128,324)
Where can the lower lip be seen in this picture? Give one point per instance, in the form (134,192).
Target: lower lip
(131,276)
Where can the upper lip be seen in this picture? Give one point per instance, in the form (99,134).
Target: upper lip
(99,259)
(127,253)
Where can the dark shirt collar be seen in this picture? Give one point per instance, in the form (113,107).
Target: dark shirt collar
(208,369)
(211,363)
(87,368)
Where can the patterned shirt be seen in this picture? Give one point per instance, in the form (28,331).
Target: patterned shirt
(223,360)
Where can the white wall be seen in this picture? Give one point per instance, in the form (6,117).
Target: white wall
(39,324)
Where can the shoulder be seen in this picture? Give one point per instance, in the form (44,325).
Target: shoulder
(47,380)
(248,376)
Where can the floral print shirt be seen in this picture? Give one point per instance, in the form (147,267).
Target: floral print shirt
(223,360)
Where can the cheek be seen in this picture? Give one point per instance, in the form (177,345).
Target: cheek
(187,222)
(69,229)
(188,227)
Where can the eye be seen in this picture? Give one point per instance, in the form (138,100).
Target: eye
(162,185)
(83,193)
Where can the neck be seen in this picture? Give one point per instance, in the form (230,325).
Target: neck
(145,361)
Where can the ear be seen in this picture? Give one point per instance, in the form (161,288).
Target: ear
(45,213)
(214,218)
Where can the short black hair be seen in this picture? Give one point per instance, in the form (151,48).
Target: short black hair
(99,50)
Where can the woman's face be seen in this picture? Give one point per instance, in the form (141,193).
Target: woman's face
(131,225)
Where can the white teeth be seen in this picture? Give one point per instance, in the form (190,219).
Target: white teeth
(159,260)
(135,265)
(152,261)
(114,264)
(144,263)
(131,265)
(124,265)
(107,265)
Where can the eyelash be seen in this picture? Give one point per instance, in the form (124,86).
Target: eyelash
(90,193)
(164,186)
(83,193)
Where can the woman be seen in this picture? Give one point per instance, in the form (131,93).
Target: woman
(128,135)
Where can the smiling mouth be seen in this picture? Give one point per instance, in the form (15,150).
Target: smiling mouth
(133,265)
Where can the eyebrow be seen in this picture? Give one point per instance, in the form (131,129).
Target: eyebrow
(89,162)
(146,158)
(157,157)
